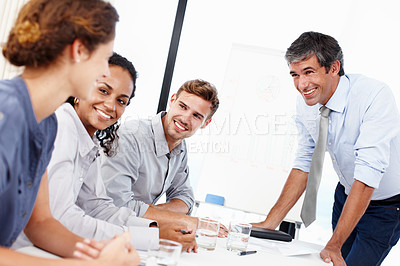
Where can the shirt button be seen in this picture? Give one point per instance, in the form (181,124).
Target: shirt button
(19,191)
(330,143)
(29,184)
(334,160)
(1,115)
(24,214)
(81,179)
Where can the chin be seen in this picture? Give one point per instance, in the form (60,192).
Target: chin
(102,126)
(310,102)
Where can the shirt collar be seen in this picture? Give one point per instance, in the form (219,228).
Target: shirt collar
(86,142)
(160,142)
(338,100)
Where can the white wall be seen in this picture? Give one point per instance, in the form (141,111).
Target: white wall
(8,13)
(366,30)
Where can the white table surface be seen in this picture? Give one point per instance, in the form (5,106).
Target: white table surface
(221,256)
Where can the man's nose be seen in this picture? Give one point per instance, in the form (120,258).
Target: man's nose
(303,82)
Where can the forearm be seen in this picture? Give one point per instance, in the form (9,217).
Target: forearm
(174,205)
(166,217)
(354,208)
(10,258)
(46,232)
(51,235)
(291,192)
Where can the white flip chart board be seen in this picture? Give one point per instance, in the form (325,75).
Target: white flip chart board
(252,139)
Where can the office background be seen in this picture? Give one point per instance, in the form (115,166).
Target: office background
(216,34)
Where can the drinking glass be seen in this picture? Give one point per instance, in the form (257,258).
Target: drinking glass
(207,233)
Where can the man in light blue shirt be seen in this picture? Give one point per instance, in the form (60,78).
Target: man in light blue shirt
(364,145)
(151,159)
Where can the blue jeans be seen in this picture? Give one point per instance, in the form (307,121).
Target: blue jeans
(375,234)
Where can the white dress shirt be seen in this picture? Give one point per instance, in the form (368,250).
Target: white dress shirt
(78,197)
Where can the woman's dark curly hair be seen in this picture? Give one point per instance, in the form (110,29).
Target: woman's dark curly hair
(108,138)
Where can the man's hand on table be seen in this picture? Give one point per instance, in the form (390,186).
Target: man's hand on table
(180,233)
(332,254)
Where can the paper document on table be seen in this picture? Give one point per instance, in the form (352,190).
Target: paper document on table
(285,248)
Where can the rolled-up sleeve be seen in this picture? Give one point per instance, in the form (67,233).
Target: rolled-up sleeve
(305,142)
(380,124)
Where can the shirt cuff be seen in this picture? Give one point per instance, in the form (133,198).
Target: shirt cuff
(142,209)
(143,238)
(188,201)
(143,222)
(369,176)
(301,168)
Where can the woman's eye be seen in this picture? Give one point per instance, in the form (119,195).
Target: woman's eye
(103,91)
(122,102)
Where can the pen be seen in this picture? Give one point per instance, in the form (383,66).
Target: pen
(242,253)
(183,231)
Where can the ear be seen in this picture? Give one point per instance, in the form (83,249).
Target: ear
(335,67)
(79,52)
(206,123)
(173,99)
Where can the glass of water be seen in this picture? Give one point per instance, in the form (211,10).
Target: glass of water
(207,233)
(238,236)
(165,252)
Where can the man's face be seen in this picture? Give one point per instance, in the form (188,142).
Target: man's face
(187,113)
(312,81)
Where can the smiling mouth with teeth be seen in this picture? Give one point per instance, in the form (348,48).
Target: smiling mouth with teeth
(103,114)
(309,92)
(179,126)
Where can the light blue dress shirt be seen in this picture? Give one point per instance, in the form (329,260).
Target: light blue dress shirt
(363,137)
(144,169)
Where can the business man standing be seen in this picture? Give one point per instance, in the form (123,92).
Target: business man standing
(356,120)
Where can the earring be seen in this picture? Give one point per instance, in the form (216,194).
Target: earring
(76,101)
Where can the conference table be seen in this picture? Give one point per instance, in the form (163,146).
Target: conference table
(269,252)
